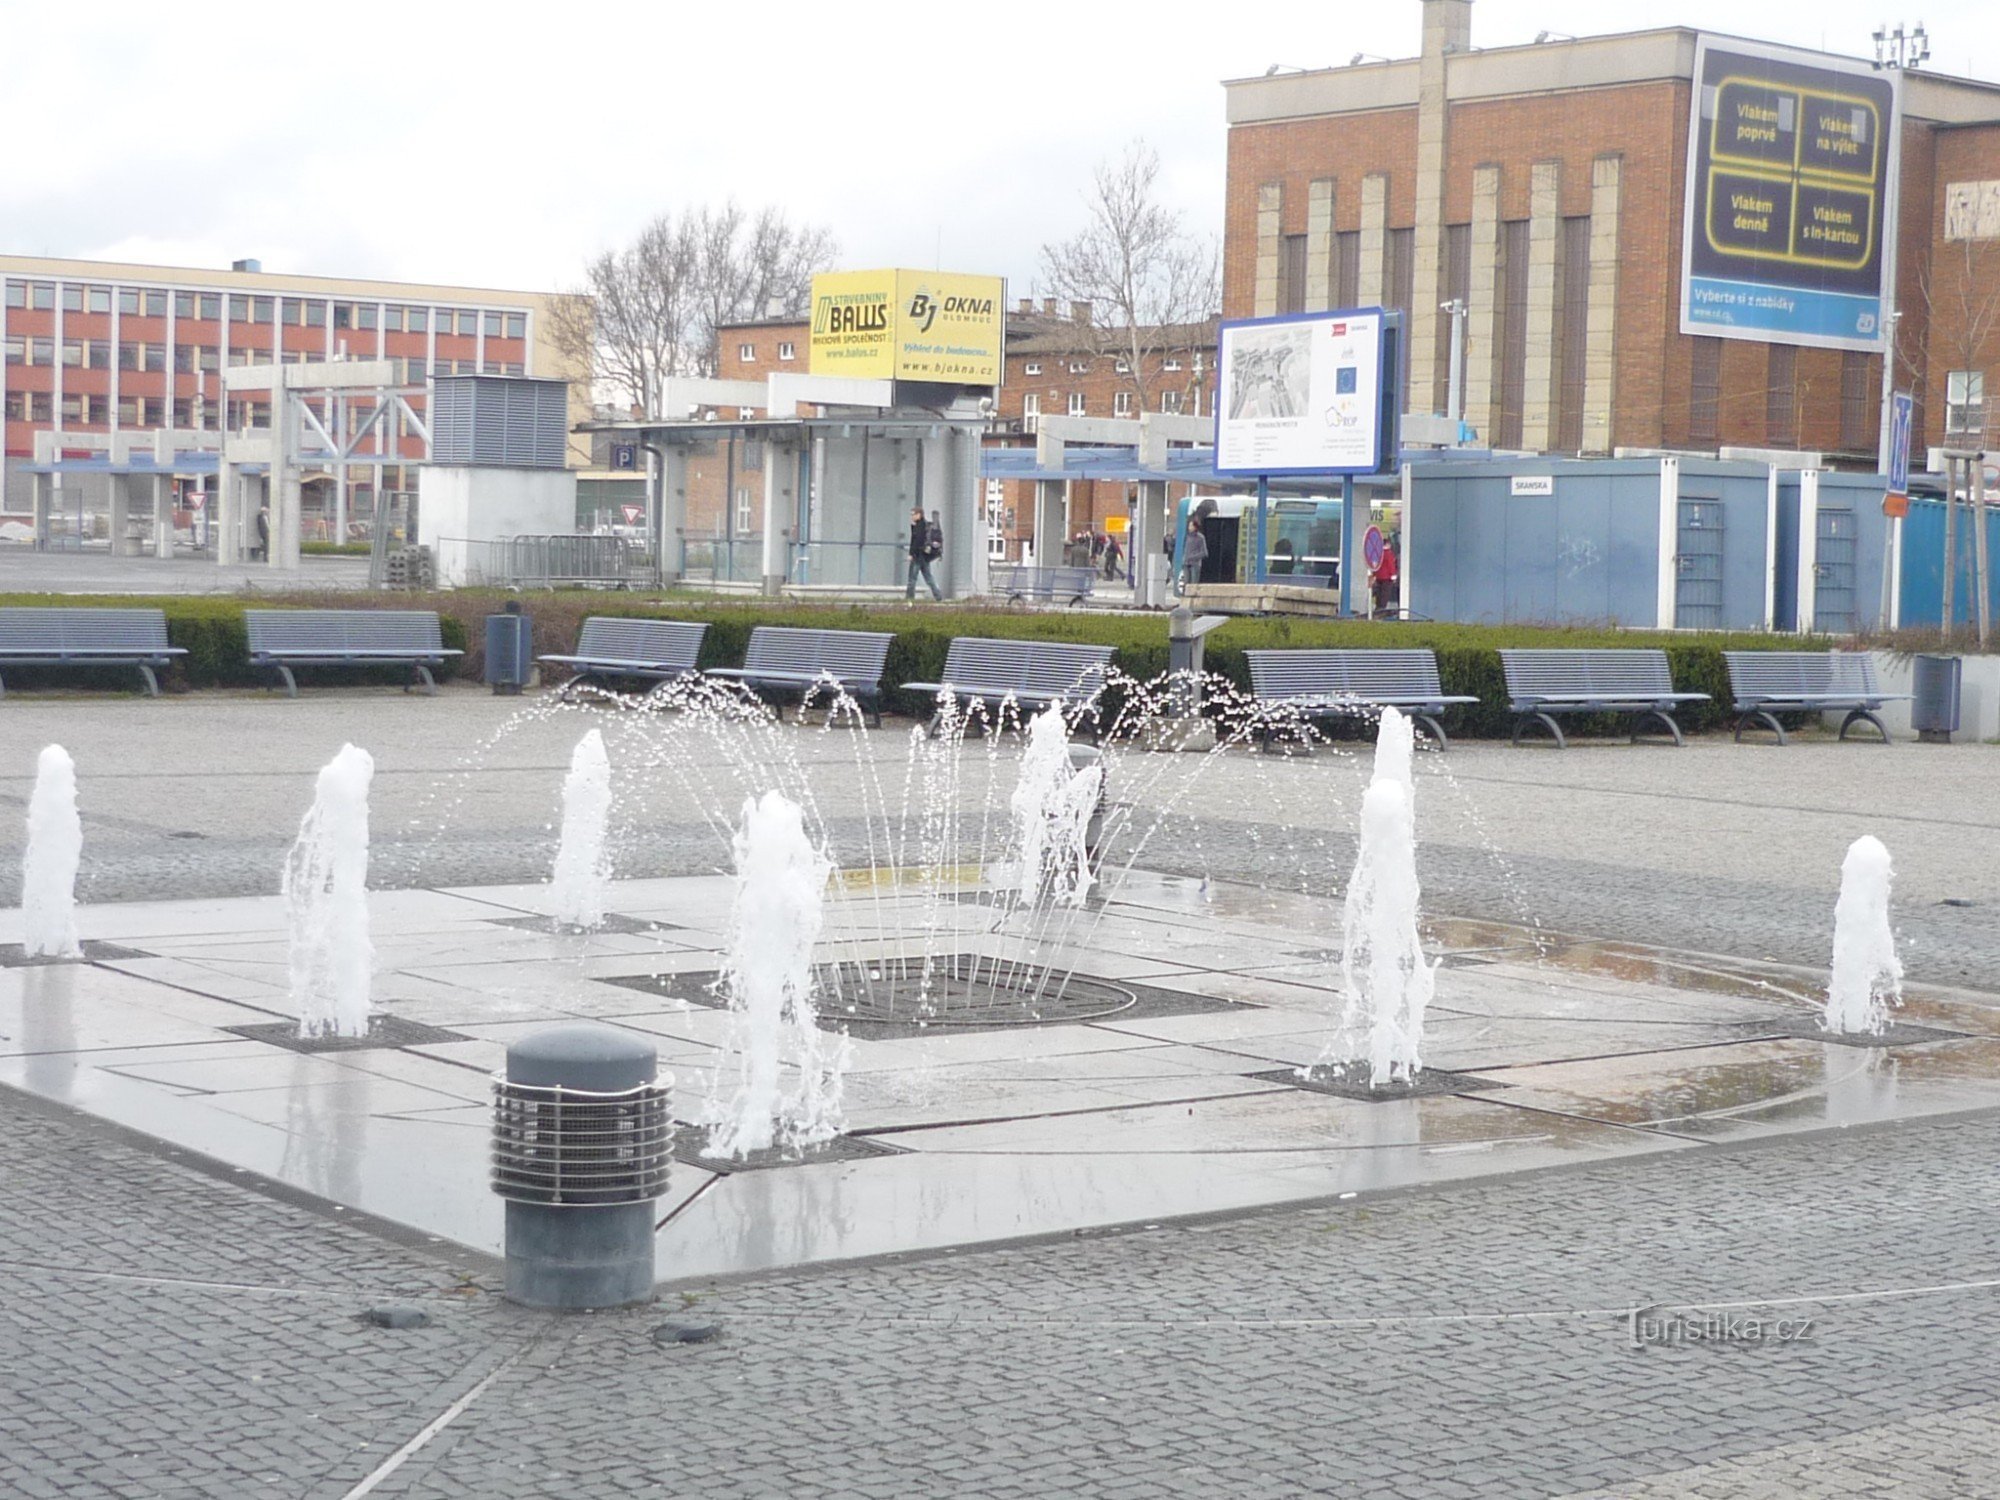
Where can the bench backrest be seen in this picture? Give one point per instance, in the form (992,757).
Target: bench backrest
(1056,668)
(1360,674)
(332,631)
(666,644)
(1025,578)
(854,656)
(1593,673)
(54,631)
(1801,674)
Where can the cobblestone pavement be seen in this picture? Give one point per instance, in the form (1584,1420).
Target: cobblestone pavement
(1718,848)
(171,1334)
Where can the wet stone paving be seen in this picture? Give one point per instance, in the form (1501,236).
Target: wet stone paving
(1644,1232)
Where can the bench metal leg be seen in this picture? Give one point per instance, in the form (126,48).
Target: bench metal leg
(3,689)
(1769,719)
(1431,726)
(1856,715)
(1639,725)
(1522,722)
(285,676)
(152,682)
(424,675)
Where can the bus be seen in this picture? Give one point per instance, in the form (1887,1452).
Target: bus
(1301,537)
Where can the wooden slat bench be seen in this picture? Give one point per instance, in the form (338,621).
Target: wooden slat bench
(1338,684)
(1034,674)
(786,658)
(1542,684)
(86,637)
(1765,684)
(607,646)
(281,639)
(1020,582)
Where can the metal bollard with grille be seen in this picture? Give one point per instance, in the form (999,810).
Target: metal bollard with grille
(582,1142)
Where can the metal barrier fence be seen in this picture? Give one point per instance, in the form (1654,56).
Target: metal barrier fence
(541,562)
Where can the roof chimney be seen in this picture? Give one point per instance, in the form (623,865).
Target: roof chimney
(1027,305)
(1079,312)
(1048,307)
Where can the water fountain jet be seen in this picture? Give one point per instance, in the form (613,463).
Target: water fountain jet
(781,879)
(1867,975)
(582,869)
(48,868)
(326,902)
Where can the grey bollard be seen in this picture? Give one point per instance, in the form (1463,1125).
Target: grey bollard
(582,1142)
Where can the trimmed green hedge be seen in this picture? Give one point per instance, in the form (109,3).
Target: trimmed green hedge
(211,630)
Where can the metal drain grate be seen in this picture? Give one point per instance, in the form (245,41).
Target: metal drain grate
(1326,1080)
(613,924)
(383,1031)
(1808,1029)
(14,956)
(690,1139)
(955,1002)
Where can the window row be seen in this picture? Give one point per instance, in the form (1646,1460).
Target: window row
(151,359)
(1171,364)
(747,353)
(1123,404)
(298,312)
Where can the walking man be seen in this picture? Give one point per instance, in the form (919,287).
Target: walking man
(1193,554)
(926,543)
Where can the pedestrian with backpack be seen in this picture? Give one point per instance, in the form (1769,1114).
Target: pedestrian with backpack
(926,545)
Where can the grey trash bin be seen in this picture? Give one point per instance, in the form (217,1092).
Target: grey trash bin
(510,649)
(1934,711)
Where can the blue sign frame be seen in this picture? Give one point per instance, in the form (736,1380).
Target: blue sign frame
(1387,375)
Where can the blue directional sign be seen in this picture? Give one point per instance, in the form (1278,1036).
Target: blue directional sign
(1901,413)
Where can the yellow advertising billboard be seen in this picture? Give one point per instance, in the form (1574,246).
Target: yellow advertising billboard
(908,325)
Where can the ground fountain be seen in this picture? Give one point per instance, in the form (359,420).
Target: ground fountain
(48,868)
(583,868)
(326,902)
(1867,977)
(779,1084)
(1386,981)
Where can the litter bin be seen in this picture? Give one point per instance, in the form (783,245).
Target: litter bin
(1934,711)
(510,649)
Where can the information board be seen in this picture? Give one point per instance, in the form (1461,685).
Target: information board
(1301,394)
(1790,220)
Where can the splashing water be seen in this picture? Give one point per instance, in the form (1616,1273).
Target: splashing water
(1052,804)
(583,868)
(1386,981)
(1867,976)
(326,901)
(781,879)
(48,868)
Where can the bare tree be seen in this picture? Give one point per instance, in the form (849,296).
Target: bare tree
(650,311)
(1146,286)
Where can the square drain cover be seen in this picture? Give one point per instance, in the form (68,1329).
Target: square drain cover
(689,1140)
(383,1031)
(1429,1082)
(15,956)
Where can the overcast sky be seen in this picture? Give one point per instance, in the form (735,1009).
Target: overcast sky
(370,138)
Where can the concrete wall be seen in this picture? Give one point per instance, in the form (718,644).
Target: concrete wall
(481,505)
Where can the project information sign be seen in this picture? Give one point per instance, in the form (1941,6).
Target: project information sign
(1300,395)
(1790,217)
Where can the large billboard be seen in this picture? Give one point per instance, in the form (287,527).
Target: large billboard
(908,325)
(1790,221)
(1301,394)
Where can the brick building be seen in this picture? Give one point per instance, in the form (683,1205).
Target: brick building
(1543,186)
(91,347)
